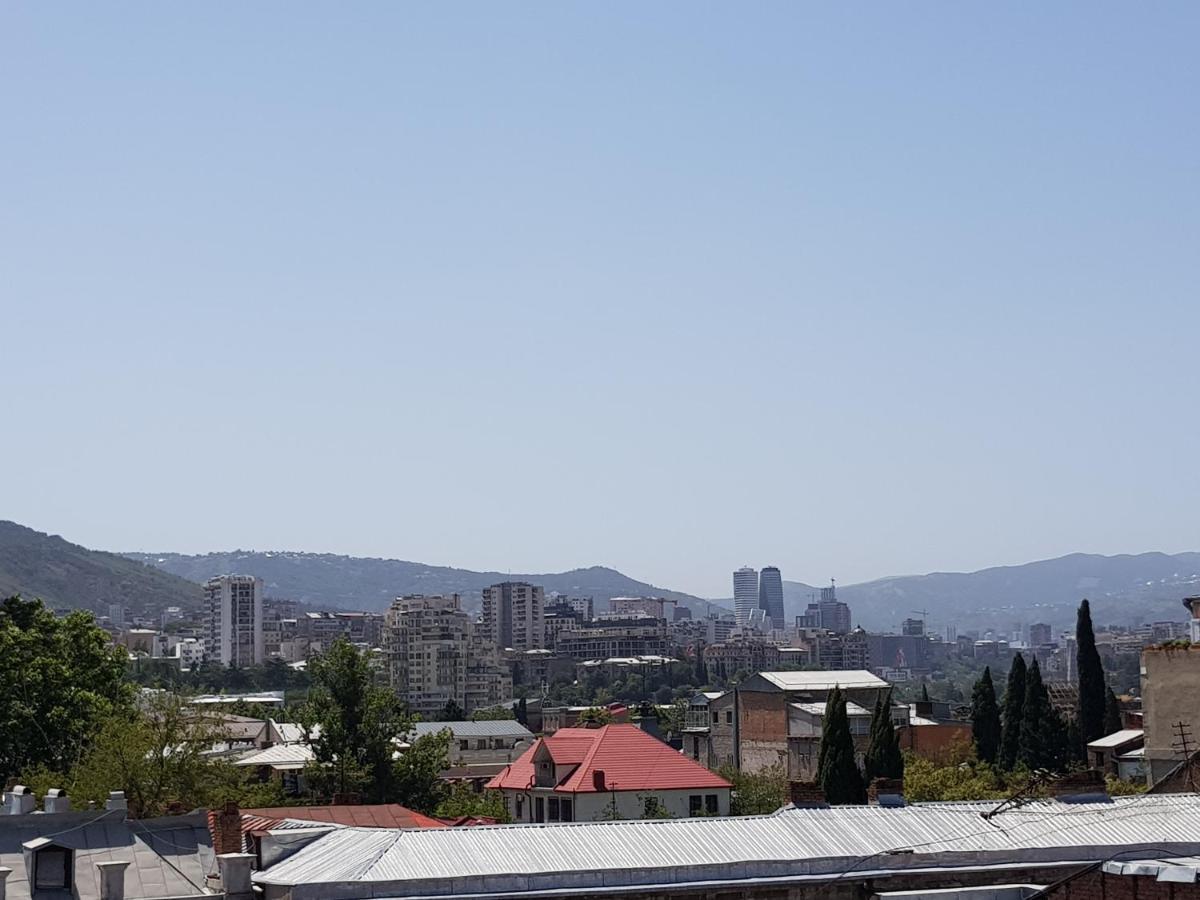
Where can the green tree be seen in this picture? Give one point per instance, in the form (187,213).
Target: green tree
(60,681)
(356,724)
(883,758)
(492,714)
(757,794)
(838,772)
(959,778)
(701,668)
(1112,713)
(652,807)
(158,754)
(523,712)
(463,800)
(1092,688)
(985,719)
(1043,733)
(452,712)
(595,716)
(418,780)
(1014,705)
(924,692)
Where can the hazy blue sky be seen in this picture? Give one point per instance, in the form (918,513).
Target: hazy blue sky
(854,289)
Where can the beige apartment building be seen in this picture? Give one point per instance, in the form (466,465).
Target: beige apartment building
(434,656)
(513,615)
(234,627)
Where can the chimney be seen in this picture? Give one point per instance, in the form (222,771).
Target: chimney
(226,827)
(5,871)
(806,795)
(116,800)
(888,792)
(598,779)
(56,801)
(1079,787)
(235,875)
(20,800)
(112,880)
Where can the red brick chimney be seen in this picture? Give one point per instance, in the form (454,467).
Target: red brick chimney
(806,795)
(226,827)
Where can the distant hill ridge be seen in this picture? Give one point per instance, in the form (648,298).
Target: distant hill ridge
(369,583)
(1123,589)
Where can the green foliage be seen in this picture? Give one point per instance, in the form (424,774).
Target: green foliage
(1118,788)
(214,678)
(985,719)
(417,774)
(1092,689)
(596,715)
(924,692)
(652,807)
(156,755)
(492,714)
(1112,713)
(523,712)
(963,779)
(838,773)
(1014,706)
(757,794)
(673,719)
(452,712)
(883,758)
(60,682)
(359,724)
(463,800)
(1043,743)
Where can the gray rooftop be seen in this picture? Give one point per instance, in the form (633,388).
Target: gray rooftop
(168,857)
(824,680)
(491,728)
(791,844)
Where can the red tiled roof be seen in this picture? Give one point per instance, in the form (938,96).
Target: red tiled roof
(631,760)
(375,815)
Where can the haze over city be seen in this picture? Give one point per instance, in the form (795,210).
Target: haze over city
(672,289)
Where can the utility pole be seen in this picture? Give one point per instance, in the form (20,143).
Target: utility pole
(1182,745)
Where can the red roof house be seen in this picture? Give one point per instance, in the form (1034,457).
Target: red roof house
(615,771)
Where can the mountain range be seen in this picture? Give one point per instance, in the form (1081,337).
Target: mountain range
(1124,589)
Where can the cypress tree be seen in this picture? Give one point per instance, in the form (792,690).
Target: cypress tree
(985,718)
(701,668)
(1043,743)
(1014,705)
(924,692)
(1091,677)
(1112,713)
(838,774)
(883,759)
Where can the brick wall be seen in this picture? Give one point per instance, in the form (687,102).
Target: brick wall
(1096,885)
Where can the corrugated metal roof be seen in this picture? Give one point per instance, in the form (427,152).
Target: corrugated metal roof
(824,680)
(1116,739)
(791,843)
(485,729)
(281,756)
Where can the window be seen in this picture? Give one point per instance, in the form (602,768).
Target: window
(729,717)
(539,809)
(552,809)
(710,804)
(566,812)
(464,745)
(52,868)
(694,806)
(520,807)
(716,717)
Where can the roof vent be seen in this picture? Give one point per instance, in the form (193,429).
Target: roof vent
(116,800)
(598,779)
(20,801)
(56,801)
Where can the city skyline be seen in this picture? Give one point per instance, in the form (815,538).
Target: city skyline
(378,273)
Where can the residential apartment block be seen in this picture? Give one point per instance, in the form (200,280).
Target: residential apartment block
(234,620)
(609,637)
(513,615)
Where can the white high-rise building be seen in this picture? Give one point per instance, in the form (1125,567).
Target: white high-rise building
(234,632)
(745,593)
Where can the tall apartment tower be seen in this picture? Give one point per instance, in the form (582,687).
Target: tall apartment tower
(436,655)
(745,593)
(512,615)
(770,596)
(426,641)
(234,630)
(834,615)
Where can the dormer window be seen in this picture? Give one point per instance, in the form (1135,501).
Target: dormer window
(49,866)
